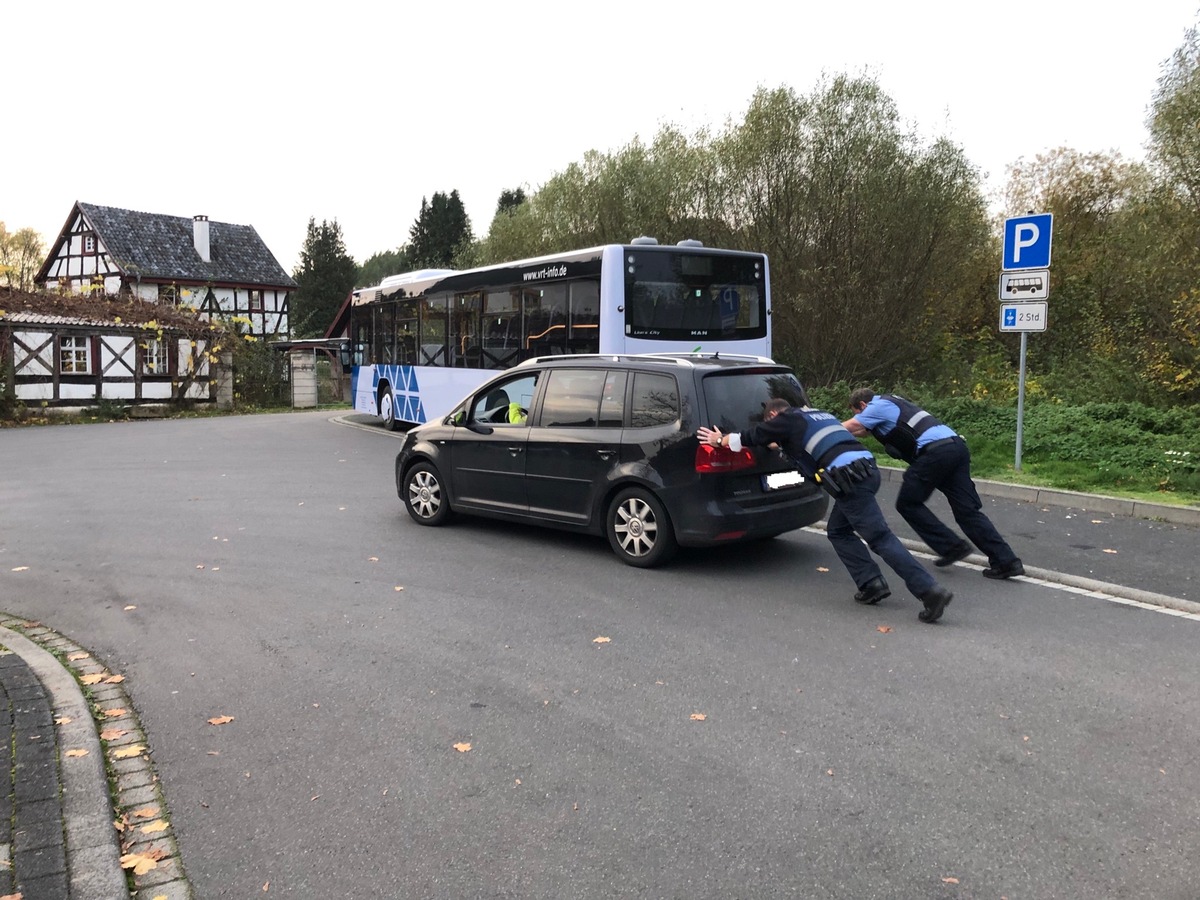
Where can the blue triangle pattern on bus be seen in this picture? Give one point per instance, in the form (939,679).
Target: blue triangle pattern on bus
(408,394)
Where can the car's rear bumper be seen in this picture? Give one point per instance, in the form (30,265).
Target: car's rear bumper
(724,521)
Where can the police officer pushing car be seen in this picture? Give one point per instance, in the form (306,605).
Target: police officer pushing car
(825,450)
(938,459)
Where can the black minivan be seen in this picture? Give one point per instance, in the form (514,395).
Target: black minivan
(606,444)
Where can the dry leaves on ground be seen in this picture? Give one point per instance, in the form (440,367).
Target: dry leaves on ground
(220,720)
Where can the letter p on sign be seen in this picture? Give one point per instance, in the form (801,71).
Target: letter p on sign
(1027,242)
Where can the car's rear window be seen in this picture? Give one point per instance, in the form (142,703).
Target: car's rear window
(735,400)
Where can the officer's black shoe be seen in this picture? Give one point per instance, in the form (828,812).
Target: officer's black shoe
(873,591)
(962,551)
(1008,570)
(935,602)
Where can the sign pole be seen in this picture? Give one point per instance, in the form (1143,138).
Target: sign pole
(1021,400)
(1025,278)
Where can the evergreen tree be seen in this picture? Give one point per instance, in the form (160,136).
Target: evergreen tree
(326,275)
(509,201)
(441,233)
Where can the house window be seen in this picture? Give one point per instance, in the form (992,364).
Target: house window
(89,243)
(256,301)
(167,294)
(154,357)
(74,355)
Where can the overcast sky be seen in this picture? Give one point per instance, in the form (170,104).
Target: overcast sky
(268,113)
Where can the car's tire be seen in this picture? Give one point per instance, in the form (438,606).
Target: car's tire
(424,495)
(639,530)
(387,410)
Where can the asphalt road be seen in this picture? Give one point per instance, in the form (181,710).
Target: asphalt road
(745,731)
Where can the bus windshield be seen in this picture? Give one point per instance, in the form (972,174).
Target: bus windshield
(676,295)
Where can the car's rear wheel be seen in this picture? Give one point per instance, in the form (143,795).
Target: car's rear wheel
(639,530)
(387,410)
(425,495)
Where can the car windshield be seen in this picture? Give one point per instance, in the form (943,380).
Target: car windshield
(735,400)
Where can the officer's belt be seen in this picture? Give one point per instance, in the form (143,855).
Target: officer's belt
(941,442)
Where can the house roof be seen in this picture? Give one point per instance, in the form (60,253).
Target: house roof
(31,308)
(161,248)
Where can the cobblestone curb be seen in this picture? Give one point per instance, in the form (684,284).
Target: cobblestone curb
(118,837)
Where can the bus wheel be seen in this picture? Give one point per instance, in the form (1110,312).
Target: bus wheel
(638,529)
(425,495)
(387,410)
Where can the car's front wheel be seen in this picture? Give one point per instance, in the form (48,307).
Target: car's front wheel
(639,530)
(425,495)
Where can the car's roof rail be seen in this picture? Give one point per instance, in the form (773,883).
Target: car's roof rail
(711,354)
(680,358)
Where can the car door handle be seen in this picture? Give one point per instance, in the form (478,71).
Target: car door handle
(606,454)
(515,450)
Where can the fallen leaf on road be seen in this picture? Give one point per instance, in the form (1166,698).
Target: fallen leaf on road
(75,754)
(111,734)
(146,812)
(883,629)
(399,587)
(1110,551)
(75,657)
(822,569)
(91,679)
(950,880)
(602,640)
(128,752)
(21,569)
(114,679)
(462,747)
(372,559)
(63,720)
(129,607)
(829,772)
(1097,521)
(220,720)
(155,827)
(698,717)
(139,862)
(115,712)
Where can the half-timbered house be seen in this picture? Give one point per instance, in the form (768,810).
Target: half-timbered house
(222,270)
(77,350)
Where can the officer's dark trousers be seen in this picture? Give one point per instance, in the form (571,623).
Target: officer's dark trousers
(857,514)
(947,468)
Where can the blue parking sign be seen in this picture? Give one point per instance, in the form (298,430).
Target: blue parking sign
(1027,242)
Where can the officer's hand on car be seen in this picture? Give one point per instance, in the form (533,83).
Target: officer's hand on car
(711,436)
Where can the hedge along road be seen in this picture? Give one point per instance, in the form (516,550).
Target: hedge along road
(746,729)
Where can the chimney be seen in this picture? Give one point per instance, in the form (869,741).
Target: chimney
(200,237)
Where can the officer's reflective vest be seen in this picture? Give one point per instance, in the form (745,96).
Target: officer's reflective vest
(901,441)
(825,438)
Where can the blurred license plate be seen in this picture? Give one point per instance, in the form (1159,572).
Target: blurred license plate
(777,480)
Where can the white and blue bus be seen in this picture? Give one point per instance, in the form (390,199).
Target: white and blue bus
(422,341)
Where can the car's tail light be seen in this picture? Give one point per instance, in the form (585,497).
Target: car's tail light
(711,459)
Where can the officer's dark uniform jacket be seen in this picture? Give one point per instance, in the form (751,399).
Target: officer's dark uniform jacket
(901,440)
(814,439)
